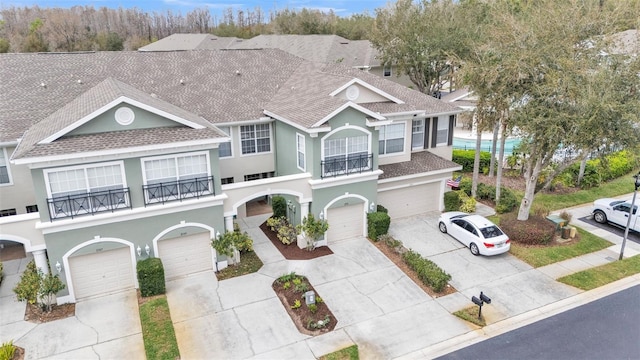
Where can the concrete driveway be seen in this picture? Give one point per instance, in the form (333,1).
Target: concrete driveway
(106,327)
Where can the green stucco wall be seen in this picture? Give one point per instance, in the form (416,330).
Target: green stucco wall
(322,197)
(106,122)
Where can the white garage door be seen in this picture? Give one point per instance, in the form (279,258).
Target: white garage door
(411,200)
(186,255)
(102,273)
(345,222)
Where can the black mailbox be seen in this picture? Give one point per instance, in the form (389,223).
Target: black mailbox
(485,298)
(476,301)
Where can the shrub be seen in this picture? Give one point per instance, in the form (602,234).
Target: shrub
(35,287)
(285,232)
(428,272)
(151,277)
(288,277)
(279,206)
(377,224)
(296,304)
(313,230)
(452,201)
(466,158)
(7,350)
(508,201)
(313,308)
(380,208)
(535,231)
(540,210)
(465,185)
(468,203)
(566,216)
(226,242)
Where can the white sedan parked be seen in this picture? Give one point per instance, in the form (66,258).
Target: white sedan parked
(477,233)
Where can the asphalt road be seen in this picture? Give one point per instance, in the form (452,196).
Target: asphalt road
(608,328)
(633,236)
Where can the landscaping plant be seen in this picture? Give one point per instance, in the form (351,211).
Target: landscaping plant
(313,229)
(36,288)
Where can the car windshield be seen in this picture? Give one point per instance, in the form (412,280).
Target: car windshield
(491,232)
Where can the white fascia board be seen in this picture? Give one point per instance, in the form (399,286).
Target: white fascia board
(296,125)
(128,151)
(344,179)
(9,143)
(106,218)
(423,174)
(370,123)
(368,86)
(405,113)
(112,104)
(462,96)
(347,105)
(454,112)
(261,120)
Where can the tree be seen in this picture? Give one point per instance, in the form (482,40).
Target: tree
(35,41)
(109,42)
(37,288)
(425,39)
(312,229)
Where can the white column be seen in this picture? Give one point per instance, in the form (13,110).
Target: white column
(304,210)
(228,223)
(40,258)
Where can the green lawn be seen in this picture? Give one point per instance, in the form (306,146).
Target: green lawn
(249,263)
(157,330)
(537,256)
(350,353)
(620,186)
(604,274)
(470,314)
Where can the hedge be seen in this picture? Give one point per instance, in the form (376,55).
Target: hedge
(377,224)
(279,206)
(466,158)
(151,277)
(428,272)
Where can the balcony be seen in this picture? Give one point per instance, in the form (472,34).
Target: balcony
(179,190)
(71,206)
(343,165)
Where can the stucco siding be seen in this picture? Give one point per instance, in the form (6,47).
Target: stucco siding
(106,122)
(19,193)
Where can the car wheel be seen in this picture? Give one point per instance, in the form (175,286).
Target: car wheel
(599,217)
(474,249)
(442,227)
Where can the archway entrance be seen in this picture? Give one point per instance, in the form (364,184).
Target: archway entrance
(11,250)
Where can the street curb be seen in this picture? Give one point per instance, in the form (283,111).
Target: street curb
(523,319)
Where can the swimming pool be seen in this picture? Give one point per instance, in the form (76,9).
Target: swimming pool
(485,145)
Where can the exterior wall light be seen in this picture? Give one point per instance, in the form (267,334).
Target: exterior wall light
(58,266)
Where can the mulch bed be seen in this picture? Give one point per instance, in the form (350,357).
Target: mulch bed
(18,353)
(34,314)
(302,315)
(292,251)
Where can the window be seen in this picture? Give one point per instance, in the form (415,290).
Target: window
(86,189)
(177,177)
(264,175)
(300,151)
(442,136)
(5,175)
(417,134)
(391,139)
(386,71)
(224,149)
(32,208)
(346,155)
(7,212)
(227,180)
(255,138)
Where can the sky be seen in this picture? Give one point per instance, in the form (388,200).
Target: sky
(340,7)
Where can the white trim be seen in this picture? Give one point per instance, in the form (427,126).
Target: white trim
(84,167)
(267,181)
(344,179)
(413,176)
(7,164)
(108,218)
(212,234)
(404,140)
(349,104)
(378,123)
(261,120)
(9,143)
(127,152)
(368,86)
(267,192)
(296,125)
(345,127)
(120,100)
(230,141)
(346,196)
(24,241)
(242,154)
(67,273)
(391,188)
(304,154)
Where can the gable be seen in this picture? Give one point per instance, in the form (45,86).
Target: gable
(361,92)
(122,117)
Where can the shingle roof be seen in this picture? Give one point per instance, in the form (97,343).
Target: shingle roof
(420,162)
(219,86)
(96,98)
(191,42)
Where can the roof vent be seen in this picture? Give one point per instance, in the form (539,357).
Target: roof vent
(79,81)
(238,72)
(181,81)
(42,84)
(153,95)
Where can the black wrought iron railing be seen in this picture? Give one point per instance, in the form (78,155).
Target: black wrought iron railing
(354,164)
(179,190)
(70,206)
